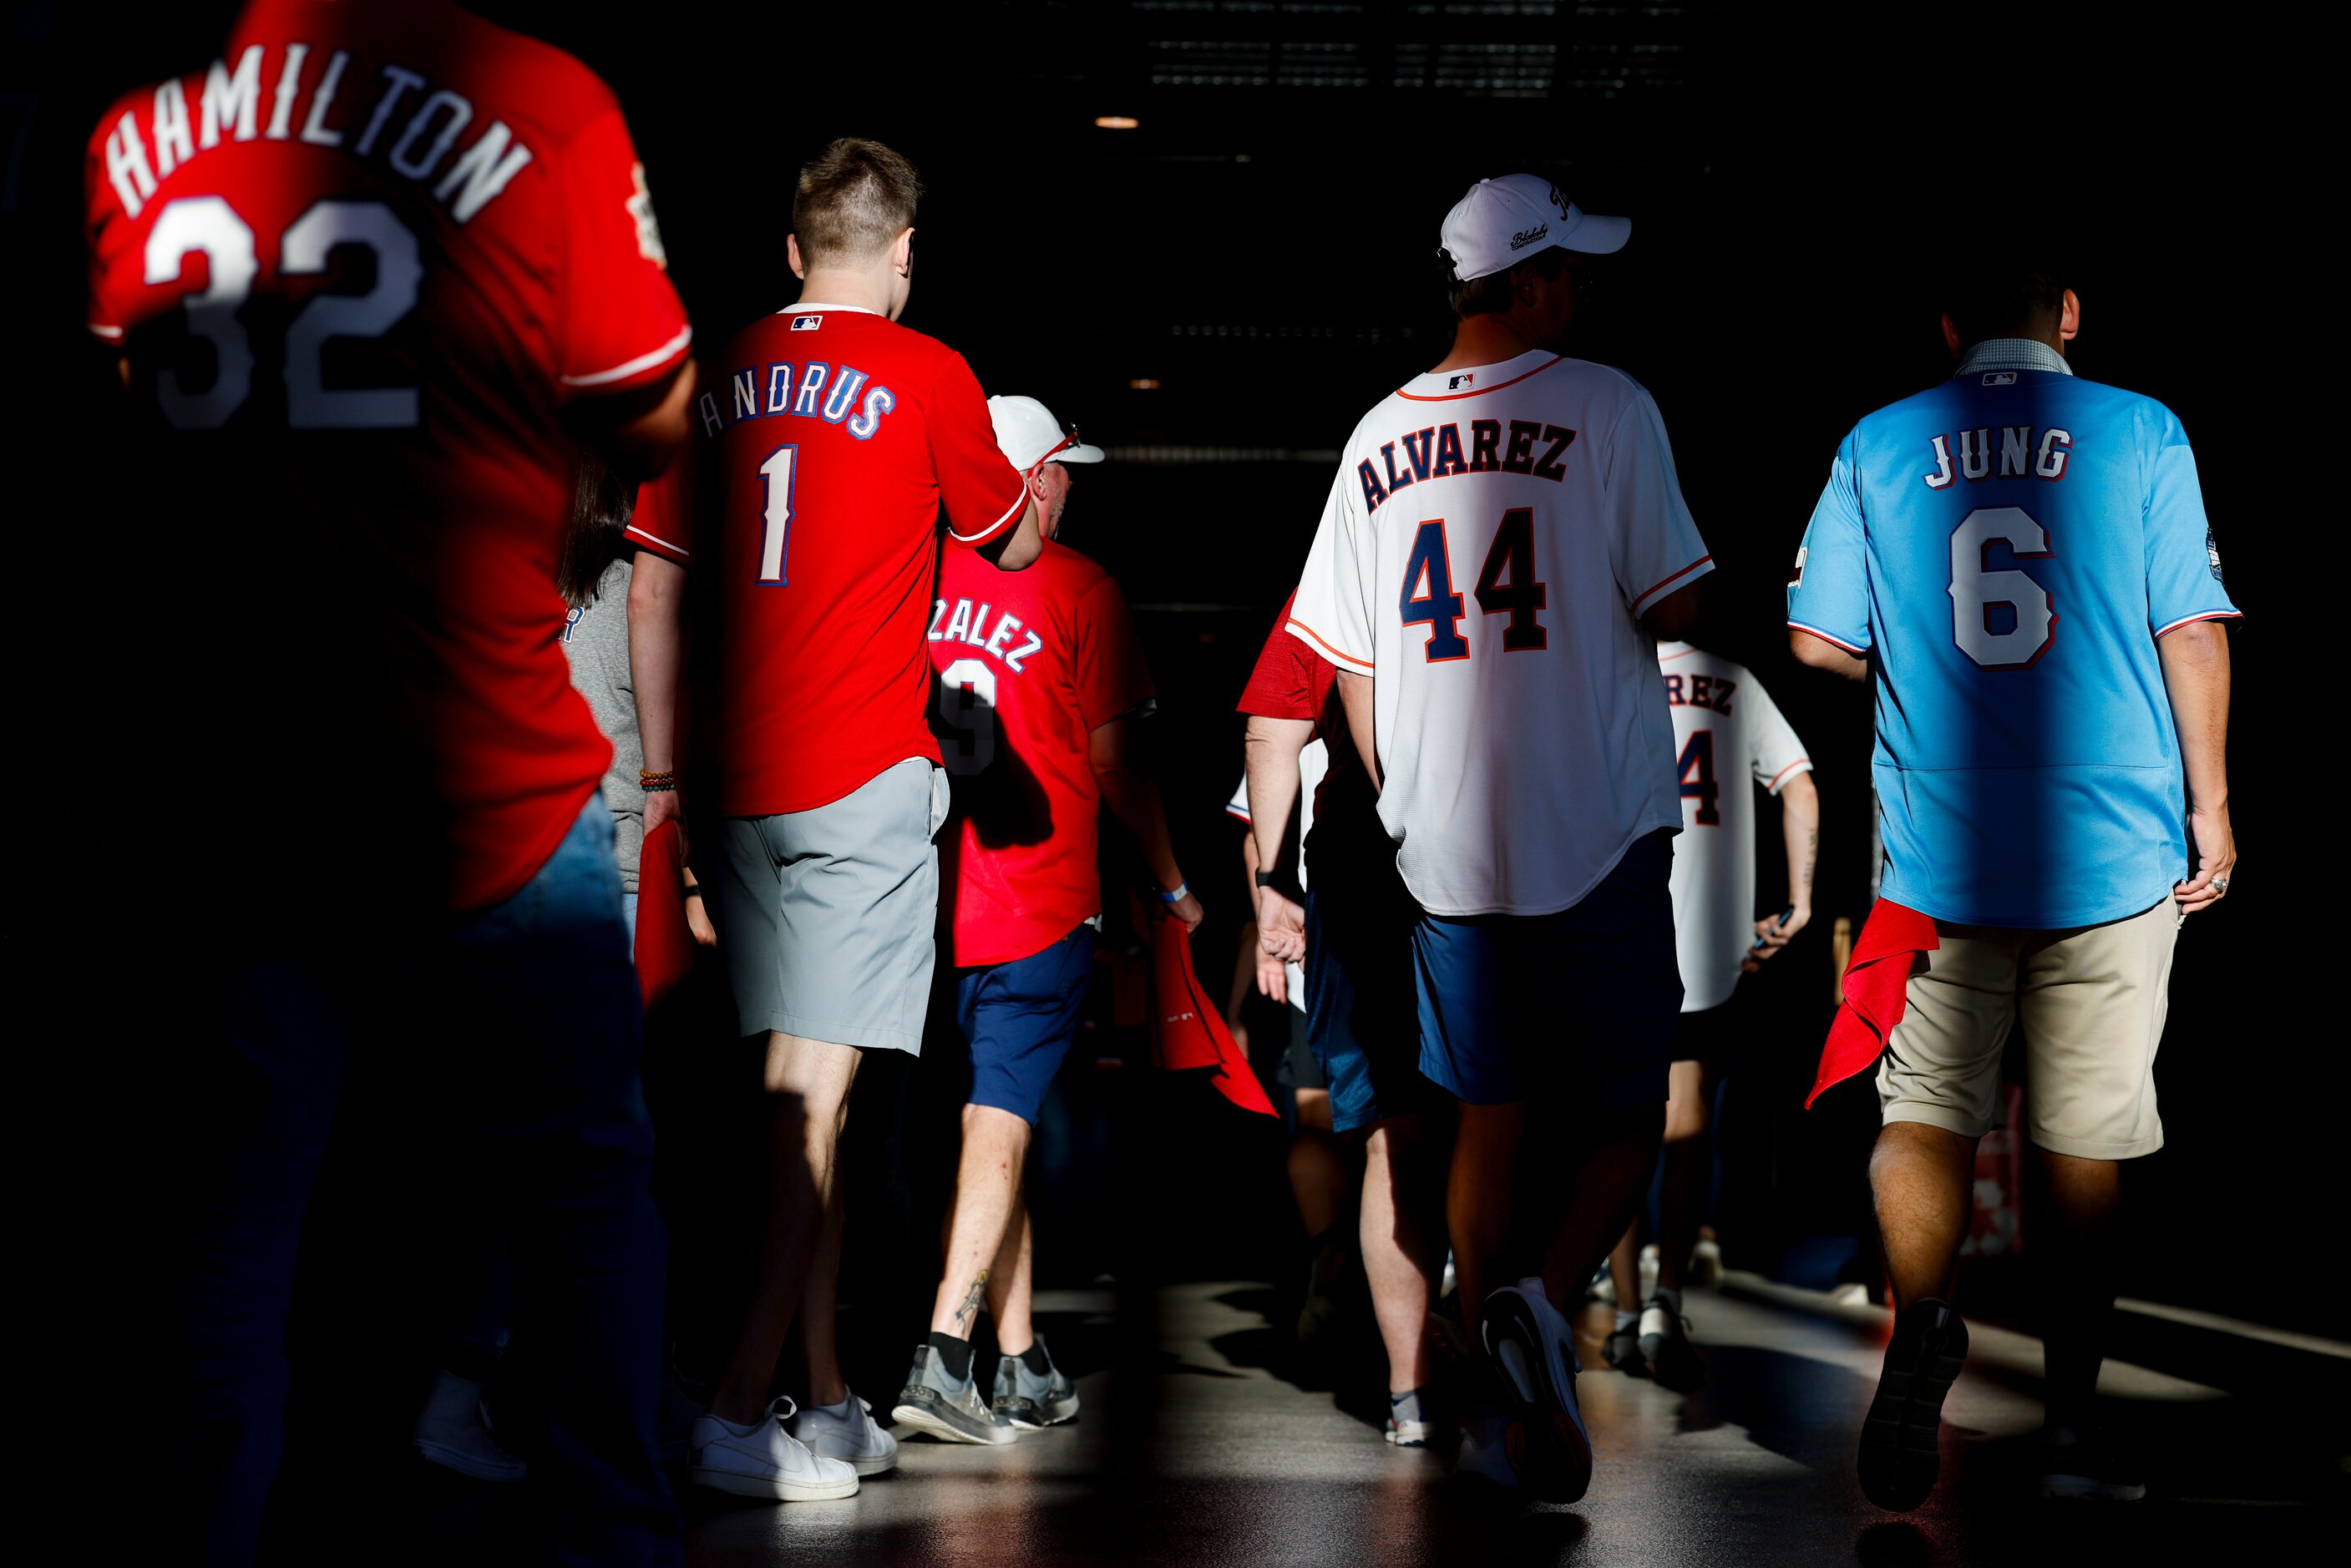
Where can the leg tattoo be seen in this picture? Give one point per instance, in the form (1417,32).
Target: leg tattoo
(968,1313)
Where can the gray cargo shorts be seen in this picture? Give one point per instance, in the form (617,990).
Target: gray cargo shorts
(826,916)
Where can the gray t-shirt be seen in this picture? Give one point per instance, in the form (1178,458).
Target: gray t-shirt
(596,640)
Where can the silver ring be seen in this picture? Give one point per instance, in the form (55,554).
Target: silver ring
(2221,883)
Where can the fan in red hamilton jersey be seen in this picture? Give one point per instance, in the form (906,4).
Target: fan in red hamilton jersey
(374,273)
(836,437)
(1039,678)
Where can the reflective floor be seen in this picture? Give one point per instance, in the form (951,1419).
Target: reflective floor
(1192,1450)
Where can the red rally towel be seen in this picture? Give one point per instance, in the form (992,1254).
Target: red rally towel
(1186,1033)
(665,942)
(1876,984)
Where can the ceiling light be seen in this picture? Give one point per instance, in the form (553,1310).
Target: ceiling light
(1117,122)
(1144,384)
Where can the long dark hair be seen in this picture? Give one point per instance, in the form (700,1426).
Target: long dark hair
(600,510)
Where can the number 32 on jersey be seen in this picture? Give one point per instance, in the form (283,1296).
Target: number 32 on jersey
(1508,584)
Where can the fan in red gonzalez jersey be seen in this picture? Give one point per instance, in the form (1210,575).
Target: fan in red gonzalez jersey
(1353,935)
(835,439)
(1039,676)
(371,273)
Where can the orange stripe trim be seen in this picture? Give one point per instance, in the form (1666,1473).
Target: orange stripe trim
(1800,762)
(1457,397)
(1299,628)
(1684,572)
(2208,614)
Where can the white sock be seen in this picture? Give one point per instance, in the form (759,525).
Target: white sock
(1625,1320)
(838,1412)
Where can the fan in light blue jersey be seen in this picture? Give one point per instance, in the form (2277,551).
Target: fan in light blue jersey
(2007,547)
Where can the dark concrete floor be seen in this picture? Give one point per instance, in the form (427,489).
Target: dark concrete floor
(1191,1450)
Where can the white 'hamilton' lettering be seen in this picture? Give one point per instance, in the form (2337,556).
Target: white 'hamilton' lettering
(228,110)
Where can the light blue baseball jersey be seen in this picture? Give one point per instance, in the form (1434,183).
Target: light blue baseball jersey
(2008,546)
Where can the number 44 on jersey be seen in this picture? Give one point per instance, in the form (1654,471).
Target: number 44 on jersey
(1509,584)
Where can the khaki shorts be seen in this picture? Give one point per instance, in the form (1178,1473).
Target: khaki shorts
(2092,1001)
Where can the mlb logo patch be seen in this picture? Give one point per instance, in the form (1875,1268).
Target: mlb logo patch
(1466,378)
(806,323)
(2000,379)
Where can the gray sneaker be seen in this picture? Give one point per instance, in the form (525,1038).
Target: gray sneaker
(1028,1401)
(948,1407)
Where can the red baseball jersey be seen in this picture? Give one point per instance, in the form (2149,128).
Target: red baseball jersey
(1030,665)
(837,437)
(357,264)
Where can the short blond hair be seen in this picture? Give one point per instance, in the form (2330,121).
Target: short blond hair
(851,200)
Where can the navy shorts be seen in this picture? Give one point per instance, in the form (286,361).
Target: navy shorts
(1019,1020)
(1361,1016)
(1585,1003)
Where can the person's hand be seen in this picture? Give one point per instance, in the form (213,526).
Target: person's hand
(698,917)
(1773,933)
(2214,845)
(1281,927)
(1188,910)
(662,806)
(1272,978)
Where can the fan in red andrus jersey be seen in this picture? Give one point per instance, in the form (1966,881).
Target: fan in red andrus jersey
(835,438)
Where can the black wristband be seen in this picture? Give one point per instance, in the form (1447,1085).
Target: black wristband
(693,890)
(1267,878)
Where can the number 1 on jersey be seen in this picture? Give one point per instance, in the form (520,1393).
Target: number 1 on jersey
(776,512)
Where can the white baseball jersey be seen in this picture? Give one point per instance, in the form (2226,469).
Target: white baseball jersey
(1491,539)
(1726,730)
(1314,762)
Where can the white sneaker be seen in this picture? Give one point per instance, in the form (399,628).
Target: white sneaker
(762,1459)
(453,1431)
(853,1439)
(1706,1264)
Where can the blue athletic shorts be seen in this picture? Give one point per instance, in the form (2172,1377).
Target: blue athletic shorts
(1585,1003)
(1361,1016)
(1019,1020)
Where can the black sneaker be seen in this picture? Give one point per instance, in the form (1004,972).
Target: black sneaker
(1030,1400)
(1532,1353)
(949,1408)
(2082,1466)
(1665,1346)
(1900,1456)
(1622,1351)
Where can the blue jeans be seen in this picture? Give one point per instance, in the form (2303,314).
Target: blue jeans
(525,1018)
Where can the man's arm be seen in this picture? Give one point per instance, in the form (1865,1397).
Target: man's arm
(1132,796)
(1800,826)
(1671,617)
(656,656)
(1272,980)
(1269,750)
(1016,548)
(639,431)
(1822,654)
(1355,694)
(2196,673)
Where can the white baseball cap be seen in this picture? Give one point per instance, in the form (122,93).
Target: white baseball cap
(1028,433)
(1501,223)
